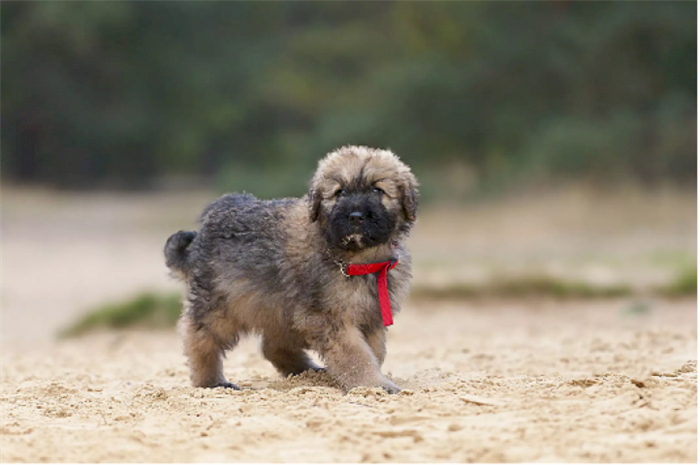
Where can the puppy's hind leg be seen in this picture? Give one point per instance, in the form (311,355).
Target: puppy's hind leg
(204,350)
(287,358)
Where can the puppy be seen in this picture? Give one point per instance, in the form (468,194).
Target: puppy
(324,273)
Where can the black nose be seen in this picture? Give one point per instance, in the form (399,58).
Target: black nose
(356,217)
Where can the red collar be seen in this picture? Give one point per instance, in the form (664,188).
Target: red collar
(382,287)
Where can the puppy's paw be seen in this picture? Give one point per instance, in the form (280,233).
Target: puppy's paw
(226,385)
(390,387)
(384,383)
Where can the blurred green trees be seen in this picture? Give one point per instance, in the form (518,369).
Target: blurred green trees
(252,93)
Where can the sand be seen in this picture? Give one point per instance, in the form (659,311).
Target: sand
(483,381)
(592,381)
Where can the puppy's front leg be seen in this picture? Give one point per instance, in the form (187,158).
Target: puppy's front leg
(351,361)
(377,342)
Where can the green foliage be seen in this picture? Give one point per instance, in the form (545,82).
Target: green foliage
(685,283)
(522,287)
(148,310)
(119,93)
(277,183)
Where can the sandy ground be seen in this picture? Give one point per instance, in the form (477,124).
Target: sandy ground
(503,382)
(484,381)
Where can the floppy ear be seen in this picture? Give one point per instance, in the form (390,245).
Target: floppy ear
(314,204)
(409,196)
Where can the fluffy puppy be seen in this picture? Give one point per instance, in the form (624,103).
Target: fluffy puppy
(279,268)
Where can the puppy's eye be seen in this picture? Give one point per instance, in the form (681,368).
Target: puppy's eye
(340,193)
(377,190)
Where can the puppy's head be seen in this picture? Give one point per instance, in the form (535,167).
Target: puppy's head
(362,197)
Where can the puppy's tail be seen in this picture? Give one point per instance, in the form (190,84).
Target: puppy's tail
(177,254)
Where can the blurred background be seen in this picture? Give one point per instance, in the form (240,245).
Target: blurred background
(555,142)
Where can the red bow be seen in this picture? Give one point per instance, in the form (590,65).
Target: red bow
(382,287)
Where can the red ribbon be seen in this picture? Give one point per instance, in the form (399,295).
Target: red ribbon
(382,287)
